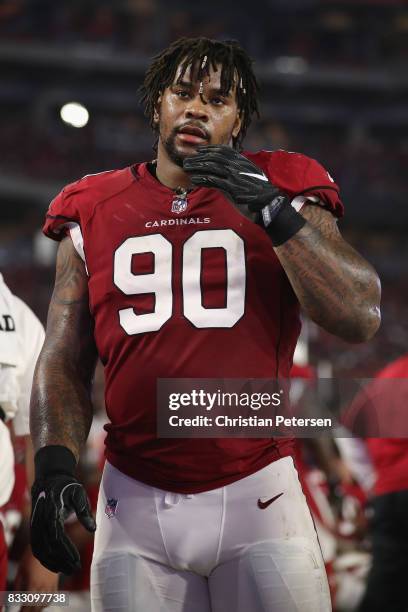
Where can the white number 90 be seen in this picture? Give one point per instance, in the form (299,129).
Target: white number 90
(159,282)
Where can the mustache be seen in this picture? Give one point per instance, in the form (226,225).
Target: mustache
(194,126)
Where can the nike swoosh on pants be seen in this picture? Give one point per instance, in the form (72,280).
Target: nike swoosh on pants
(262,505)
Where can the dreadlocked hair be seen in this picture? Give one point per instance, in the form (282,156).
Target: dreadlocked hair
(198,55)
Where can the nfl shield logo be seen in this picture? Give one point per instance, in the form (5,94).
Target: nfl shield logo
(110,508)
(179,205)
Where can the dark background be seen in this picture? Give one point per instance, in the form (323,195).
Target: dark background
(334,86)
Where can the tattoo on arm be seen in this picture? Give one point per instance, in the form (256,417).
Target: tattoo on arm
(69,286)
(61,410)
(335,286)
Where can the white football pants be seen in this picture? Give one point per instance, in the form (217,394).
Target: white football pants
(216,551)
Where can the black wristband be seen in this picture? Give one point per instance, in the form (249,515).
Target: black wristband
(2,414)
(286,224)
(54,460)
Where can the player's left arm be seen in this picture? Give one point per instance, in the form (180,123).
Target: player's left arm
(336,287)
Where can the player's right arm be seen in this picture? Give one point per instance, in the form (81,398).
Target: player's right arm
(61,409)
(61,415)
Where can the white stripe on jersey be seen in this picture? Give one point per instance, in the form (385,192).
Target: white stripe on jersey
(299,201)
(77,240)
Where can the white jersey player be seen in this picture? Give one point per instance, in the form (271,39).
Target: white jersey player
(21,339)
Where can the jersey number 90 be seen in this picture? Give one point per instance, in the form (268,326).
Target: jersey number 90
(160,281)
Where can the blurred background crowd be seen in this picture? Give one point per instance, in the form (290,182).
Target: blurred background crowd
(334,86)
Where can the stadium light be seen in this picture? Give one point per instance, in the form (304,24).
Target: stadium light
(74,114)
(291,65)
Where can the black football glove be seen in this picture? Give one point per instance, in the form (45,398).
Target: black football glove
(56,493)
(247,187)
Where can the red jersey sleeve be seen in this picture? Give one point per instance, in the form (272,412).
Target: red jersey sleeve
(76,203)
(299,175)
(62,211)
(318,182)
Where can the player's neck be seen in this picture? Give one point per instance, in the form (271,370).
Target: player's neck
(169,174)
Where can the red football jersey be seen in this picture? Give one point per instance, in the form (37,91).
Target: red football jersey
(183,291)
(390,455)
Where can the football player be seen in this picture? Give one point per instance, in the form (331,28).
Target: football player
(21,339)
(381,409)
(195,264)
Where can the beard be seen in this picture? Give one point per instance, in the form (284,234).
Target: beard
(170,147)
